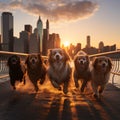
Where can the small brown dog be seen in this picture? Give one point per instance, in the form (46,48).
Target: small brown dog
(36,69)
(81,70)
(100,74)
(59,70)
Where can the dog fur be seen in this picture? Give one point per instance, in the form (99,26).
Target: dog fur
(16,70)
(81,70)
(100,74)
(59,70)
(36,69)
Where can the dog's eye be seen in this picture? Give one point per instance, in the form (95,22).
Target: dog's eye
(54,52)
(100,61)
(106,61)
(61,52)
(84,59)
(35,57)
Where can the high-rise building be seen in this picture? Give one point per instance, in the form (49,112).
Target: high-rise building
(45,39)
(7,31)
(34,42)
(54,41)
(40,32)
(25,37)
(28,28)
(88,42)
(101,46)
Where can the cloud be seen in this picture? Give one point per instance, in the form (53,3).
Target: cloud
(54,9)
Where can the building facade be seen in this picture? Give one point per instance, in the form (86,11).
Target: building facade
(7,31)
(45,39)
(34,42)
(40,32)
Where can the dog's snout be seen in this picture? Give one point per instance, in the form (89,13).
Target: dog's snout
(33,61)
(13,60)
(103,64)
(81,62)
(57,57)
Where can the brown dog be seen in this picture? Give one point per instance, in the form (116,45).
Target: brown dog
(36,69)
(100,74)
(81,70)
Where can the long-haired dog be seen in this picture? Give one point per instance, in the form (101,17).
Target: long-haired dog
(100,74)
(16,70)
(36,69)
(81,70)
(59,70)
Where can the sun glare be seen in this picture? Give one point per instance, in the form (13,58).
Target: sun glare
(66,44)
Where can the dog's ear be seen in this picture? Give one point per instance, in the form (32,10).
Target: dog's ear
(40,58)
(27,60)
(49,56)
(95,61)
(67,57)
(75,58)
(8,61)
(110,63)
(49,52)
(88,59)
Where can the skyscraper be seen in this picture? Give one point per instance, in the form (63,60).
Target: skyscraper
(28,28)
(40,32)
(45,39)
(88,42)
(7,31)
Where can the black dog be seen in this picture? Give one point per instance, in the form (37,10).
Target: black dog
(16,72)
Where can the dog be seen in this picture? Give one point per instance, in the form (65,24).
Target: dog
(81,70)
(59,70)
(100,74)
(36,69)
(16,70)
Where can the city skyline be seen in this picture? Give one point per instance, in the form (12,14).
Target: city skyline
(101,23)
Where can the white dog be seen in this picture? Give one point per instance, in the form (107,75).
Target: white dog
(59,71)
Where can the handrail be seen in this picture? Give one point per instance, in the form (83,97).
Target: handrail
(4,55)
(106,54)
(12,53)
(114,55)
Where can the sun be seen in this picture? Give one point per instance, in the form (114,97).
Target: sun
(66,44)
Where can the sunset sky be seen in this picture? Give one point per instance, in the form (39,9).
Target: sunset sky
(73,20)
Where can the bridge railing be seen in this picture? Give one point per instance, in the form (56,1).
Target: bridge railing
(115,57)
(4,55)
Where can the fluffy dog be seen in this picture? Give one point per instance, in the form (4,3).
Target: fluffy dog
(100,74)
(59,70)
(16,70)
(81,70)
(36,69)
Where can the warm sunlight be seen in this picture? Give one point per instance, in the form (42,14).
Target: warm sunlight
(66,44)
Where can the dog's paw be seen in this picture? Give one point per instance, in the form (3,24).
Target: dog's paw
(14,88)
(42,81)
(97,97)
(24,81)
(59,88)
(36,89)
(76,85)
(82,90)
(65,90)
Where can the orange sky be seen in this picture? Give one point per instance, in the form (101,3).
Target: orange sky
(73,20)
